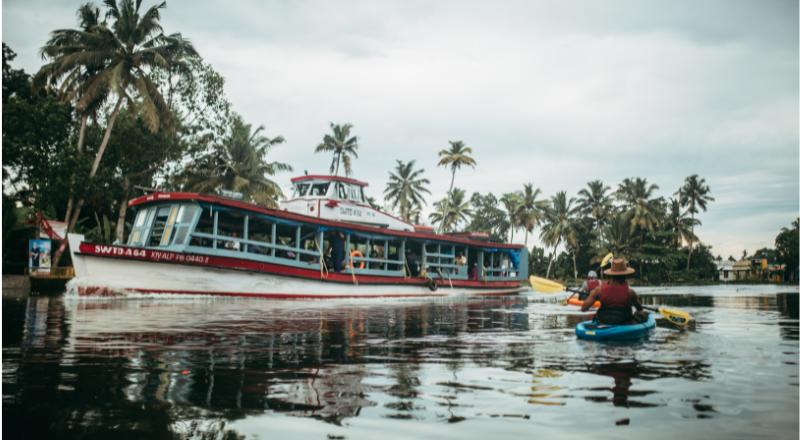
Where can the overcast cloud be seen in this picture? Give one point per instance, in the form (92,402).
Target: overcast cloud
(553,93)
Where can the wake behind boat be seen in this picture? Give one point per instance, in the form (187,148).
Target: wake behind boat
(188,243)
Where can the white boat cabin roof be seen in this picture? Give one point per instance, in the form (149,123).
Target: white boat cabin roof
(330,187)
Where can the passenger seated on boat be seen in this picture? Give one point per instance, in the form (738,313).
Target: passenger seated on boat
(374,265)
(255,249)
(327,257)
(473,273)
(232,245)
(312,260)
(616,298)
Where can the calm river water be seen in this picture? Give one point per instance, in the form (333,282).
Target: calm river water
(500,368)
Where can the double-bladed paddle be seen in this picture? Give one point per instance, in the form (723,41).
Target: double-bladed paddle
(546,286)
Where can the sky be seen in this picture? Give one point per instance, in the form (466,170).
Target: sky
(551,93)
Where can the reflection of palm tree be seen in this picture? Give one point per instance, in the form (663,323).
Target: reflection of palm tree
(456,156)
(533,209)
(559,223)
(405,187)
(694,194)
(239,165)
(341,145)
(458,211)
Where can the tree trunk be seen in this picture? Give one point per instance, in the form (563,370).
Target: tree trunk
(641,250)
(338,158)
(123,210)
(574,263)
(72,182)
(552,258)
(71,226)
(512,232)
(691,244)
(447,202)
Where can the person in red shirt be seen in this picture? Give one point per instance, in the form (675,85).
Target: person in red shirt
(616,298)
(589,285)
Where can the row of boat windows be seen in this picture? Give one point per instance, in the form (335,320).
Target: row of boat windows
(171,225)
(338,190)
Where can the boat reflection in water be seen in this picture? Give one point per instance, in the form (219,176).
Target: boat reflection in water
(292,357)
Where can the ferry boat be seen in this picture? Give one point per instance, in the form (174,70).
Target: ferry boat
(188,243)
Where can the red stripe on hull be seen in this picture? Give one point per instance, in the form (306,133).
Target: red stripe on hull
(109,293)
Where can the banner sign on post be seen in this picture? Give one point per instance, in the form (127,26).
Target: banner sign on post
(39,257)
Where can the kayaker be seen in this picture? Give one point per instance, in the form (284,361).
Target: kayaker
(616,298)
(589,285)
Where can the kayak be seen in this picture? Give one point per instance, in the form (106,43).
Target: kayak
(576,302)
(593,331)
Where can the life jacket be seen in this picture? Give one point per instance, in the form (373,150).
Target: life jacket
(615,306)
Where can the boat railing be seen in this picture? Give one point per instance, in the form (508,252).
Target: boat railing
(442,265)
(245,252)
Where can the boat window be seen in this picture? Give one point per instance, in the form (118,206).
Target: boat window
(342,191)
(361,191)
(161,217)
(320,189)
(354,194)
(259,230)
(230,224)
(205,225)
(185,220)
(138,227)
(302,189)
(140,218)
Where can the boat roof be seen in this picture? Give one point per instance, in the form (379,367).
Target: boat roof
(323,177)
(207,198)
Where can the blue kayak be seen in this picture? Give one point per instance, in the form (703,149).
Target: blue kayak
(594,331)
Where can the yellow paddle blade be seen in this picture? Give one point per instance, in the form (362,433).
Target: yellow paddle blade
(607,259)
(546,286)
(675,316)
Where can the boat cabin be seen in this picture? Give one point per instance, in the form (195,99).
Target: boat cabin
(197,225)
(339,199)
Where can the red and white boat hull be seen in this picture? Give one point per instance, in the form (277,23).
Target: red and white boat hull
(107,270)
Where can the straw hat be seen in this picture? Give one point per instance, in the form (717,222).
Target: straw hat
(618,267)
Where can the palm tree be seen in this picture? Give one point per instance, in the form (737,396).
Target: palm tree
(677,222)
(613,237)
(71,86)
(640,208)
(406,187)
(456,156)
(414,211)
(457,211)
(116,61)
(341,145)
(694,194)
(533,215)
(239,165)
(559,223)
(512,202)
(596,202)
